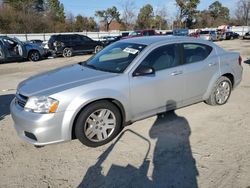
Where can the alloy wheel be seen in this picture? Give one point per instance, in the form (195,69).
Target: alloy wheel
(222,92)
(100,125)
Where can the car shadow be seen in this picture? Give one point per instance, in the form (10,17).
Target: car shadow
(173,163)
(247,61)
(5,101)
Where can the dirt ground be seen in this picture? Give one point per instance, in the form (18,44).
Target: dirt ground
(196,146)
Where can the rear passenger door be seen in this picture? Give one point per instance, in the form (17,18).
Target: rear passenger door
(200,63)
(87,44)
(162,91)
(76,42)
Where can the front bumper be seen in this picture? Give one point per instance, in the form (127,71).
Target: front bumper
(38,129)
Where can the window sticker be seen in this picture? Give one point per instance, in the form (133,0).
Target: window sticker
(131,50)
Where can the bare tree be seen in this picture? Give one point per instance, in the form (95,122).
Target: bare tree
(129,14)
(161,17)
(243,12)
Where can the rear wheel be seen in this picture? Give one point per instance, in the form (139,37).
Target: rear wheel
(34,56)
(221,92)
(98,124)
(1,54)
(67,52)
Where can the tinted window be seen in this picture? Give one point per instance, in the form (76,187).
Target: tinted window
(196,52)
(151,33)
(74,37)
(87,39)
(163,57)
(204,32)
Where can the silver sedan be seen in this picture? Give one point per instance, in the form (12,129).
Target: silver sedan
(127,81)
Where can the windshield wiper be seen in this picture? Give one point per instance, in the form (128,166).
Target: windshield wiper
(90,66)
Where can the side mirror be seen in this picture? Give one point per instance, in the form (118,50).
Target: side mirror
(143,71)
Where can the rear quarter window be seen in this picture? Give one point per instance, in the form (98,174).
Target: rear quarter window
(196,52)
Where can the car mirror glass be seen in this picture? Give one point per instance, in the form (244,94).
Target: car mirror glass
(143,71)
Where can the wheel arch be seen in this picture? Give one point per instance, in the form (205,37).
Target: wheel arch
(230,77)
(214,79)
(32,50)
(117,103)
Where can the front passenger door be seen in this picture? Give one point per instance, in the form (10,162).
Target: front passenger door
(152,94)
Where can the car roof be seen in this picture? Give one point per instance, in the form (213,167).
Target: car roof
(148,40)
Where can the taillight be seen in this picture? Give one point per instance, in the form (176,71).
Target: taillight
(240,60)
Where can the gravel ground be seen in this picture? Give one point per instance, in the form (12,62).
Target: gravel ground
(196,146)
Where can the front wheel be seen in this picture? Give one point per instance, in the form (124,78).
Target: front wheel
(34,56)
(221,92)
(98,123)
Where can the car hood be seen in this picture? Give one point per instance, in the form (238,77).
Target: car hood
(61,79)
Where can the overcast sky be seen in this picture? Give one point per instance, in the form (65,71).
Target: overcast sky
(88,7)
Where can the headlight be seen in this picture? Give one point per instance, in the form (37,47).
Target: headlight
(41,105)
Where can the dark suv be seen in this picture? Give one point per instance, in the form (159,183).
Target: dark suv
(69,44)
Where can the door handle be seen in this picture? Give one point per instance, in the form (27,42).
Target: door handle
(211,64)
(176,73)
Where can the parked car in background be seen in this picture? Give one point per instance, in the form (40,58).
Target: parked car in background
(12,49)
(141,33)
(127,81)
(70,44)
(208,35)
(221,34)
(231,35)
(194,34)
(180,32)
(247,35)
(170,33)
(107,40)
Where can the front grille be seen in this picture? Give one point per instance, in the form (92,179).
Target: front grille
(21,100)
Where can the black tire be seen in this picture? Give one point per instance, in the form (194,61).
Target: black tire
(213,98)
(67,52)
(2,56)
(34,55)
(83,126)
(98,49)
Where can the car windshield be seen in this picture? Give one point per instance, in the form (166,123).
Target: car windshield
(115,58)
(135,33)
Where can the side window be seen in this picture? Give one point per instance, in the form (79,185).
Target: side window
(151,33)
(146,33)
(196,52)
(163,57)
(87,39)
(74,37)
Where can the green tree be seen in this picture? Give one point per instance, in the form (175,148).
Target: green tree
(145,17)
(218,11)
(159,23)
(56,10)
(26,5)
(108,15)
(85,24)
(187,11)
